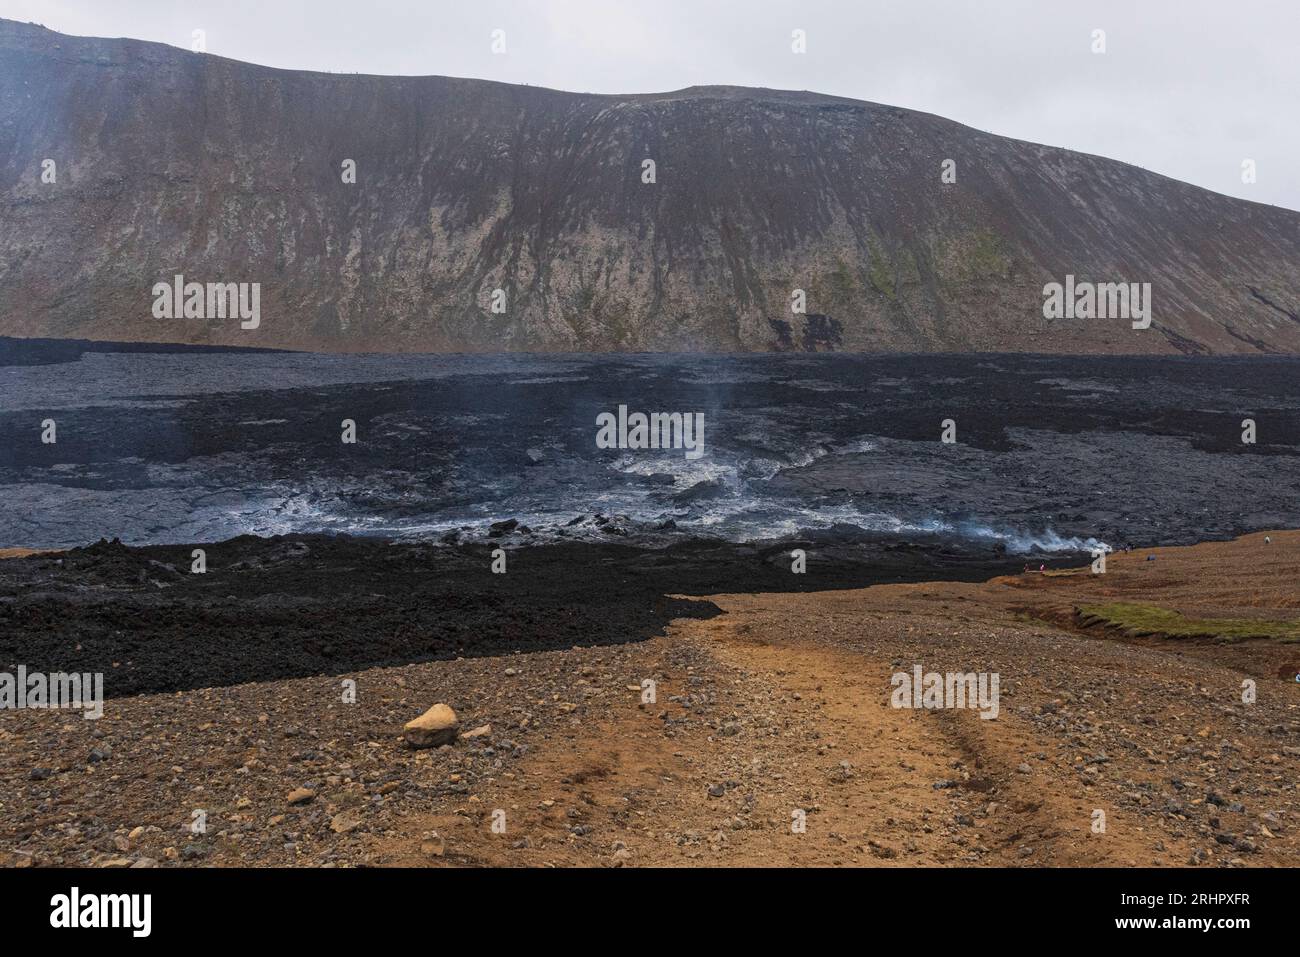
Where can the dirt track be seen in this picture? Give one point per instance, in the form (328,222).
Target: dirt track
(780,704)
(794,712)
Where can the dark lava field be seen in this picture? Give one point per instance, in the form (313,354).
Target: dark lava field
(324,557)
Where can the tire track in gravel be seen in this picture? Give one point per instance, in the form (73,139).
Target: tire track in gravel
(988,812)
(760,725)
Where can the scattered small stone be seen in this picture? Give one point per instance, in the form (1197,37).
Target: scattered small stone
(433,845)
(343,823)
(435,727)
(881,850)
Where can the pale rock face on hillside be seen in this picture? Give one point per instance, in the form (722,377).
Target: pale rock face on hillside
(488,217)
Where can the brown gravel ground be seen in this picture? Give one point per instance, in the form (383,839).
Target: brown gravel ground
(779,705)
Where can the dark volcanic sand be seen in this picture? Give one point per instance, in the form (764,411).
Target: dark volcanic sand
(305,605)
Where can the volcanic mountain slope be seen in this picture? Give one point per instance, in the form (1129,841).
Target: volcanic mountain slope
(169,162)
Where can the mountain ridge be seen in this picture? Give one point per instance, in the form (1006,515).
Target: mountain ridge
(171,162)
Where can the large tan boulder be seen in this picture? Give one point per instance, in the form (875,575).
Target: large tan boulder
(436,726)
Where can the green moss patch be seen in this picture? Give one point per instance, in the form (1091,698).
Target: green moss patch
(1137,621)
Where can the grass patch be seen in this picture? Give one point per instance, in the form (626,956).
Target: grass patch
(1138,621)
(878,273)
(986,258)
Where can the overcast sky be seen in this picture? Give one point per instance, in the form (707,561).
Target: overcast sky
(1189,88)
